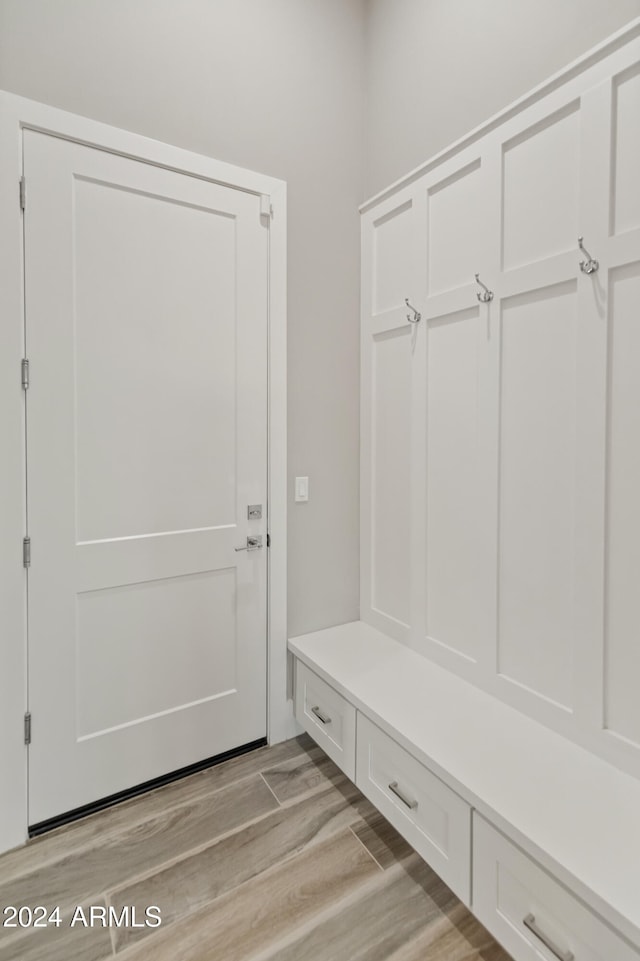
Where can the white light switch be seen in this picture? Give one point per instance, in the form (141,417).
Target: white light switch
(302,488)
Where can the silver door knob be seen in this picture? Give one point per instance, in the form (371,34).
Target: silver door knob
(253,544)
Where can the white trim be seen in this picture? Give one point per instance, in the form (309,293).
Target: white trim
(281,722)
(17,114)
(572,70)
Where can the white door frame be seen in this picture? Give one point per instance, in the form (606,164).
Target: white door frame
(17,114)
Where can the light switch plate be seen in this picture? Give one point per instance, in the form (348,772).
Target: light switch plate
(302,489)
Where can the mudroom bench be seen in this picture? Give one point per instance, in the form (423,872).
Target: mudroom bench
(539,837)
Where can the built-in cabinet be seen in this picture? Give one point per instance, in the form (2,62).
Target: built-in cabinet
(501,430)
(331,718)
(434,819)
(529,911)
(536,835)
(501,520)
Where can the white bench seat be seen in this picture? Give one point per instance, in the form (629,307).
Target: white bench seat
(576,815)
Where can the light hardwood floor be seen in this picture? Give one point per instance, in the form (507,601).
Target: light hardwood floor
(272,855)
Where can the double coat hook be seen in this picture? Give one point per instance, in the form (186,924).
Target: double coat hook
(485,295)
(416,315)
(588,266)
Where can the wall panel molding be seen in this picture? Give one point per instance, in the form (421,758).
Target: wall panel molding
(521,506)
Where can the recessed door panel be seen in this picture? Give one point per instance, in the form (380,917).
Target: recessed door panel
(138,625)
(537,542)
(155,359)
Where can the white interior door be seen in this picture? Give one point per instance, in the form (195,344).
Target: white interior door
(146,307)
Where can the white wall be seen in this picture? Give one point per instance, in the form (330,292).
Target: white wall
(275,86)
(438,68)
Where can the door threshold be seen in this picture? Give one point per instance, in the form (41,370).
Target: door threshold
(35,830)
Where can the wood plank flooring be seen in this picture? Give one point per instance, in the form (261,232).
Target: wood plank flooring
(273,856)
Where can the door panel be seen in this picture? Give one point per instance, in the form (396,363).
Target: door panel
(138,625)
(146,300)
(138,368)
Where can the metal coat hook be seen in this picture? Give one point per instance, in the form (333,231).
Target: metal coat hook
(588,266)
(417,317)
(486,295)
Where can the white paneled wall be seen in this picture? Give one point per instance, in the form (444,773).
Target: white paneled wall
(453,493)
(391,264)
(537,522)
(391,520)
(501,438)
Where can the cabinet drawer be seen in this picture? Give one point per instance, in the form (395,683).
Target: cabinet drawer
(327,717)
(531,913)
(432,818)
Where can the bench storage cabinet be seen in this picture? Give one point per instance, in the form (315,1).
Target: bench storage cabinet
(529,912)
(546,854)
(329,718)
(432,818)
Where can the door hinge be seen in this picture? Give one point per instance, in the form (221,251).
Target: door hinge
(26,552)
(25,374)
(268,540)
(266,209)
(27,728)
(23,193)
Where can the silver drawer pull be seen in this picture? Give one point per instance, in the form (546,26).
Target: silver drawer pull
(393,787)
(530,923)
(321,715)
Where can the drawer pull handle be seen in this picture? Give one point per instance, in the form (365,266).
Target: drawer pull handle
(530,923)
(321,715)
(393,787)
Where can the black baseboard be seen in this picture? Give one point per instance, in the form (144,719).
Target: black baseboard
(86,809)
